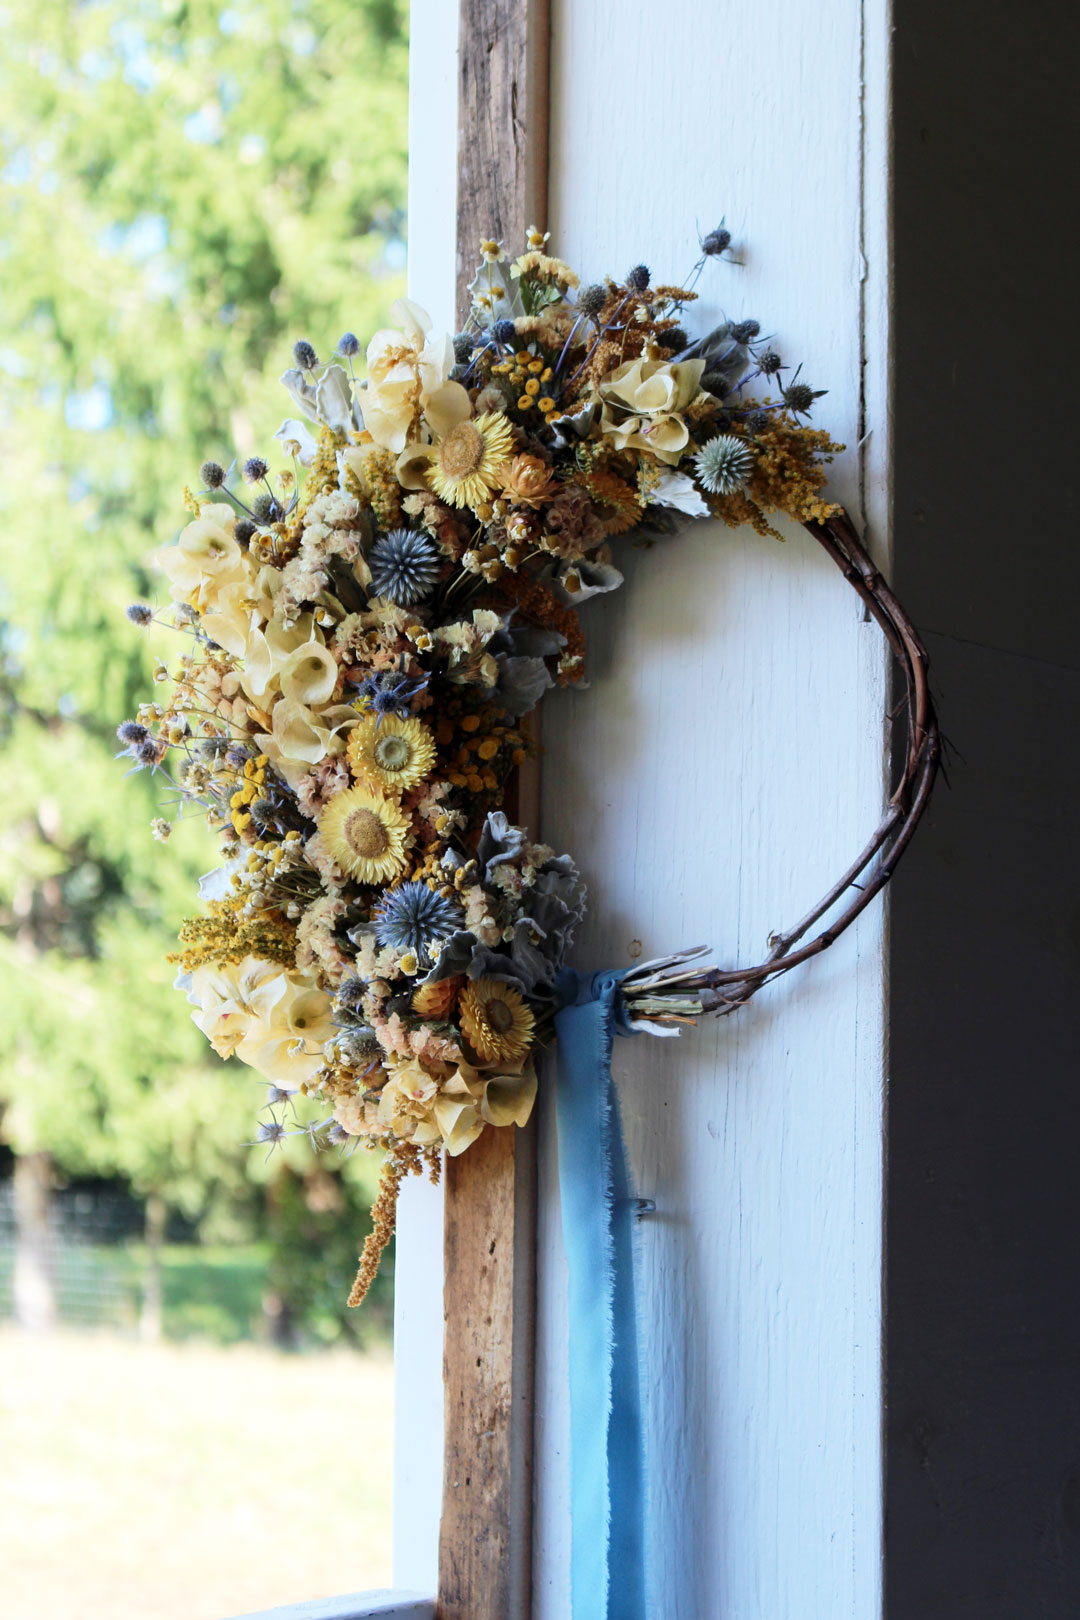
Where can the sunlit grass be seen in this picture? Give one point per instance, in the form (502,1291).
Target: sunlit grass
(188,1482)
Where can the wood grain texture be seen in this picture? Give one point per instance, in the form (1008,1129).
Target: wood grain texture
(485,1539)
(719,772)
(502,128)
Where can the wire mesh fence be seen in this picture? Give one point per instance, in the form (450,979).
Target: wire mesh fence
(86,1252)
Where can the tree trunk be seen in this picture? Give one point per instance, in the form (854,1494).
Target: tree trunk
(35,1290)
(151,1316)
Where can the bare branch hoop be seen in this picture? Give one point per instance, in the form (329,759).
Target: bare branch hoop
(726,990)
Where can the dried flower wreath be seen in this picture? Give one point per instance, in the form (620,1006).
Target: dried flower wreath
(370,629)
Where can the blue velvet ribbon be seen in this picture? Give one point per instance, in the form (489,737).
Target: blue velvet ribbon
(607,1474)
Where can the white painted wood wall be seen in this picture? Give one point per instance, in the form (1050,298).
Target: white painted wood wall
(724,765)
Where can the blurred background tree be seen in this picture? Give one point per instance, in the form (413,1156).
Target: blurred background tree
(186,189)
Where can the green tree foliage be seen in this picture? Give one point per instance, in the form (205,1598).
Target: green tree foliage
(186,188)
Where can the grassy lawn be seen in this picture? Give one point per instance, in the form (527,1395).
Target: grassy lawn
(187,1481)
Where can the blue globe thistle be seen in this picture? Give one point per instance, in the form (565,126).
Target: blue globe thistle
(464,344)
(404,566)
(799,397)
(637,279)
(254,469)
(716,242)
(139,613)
(723,463)
(674,339)
(716,383)
(390,692)
(412,917)
(350,996)
(305,355)
(243,530)
(349,345)
(591,300)
(504,332)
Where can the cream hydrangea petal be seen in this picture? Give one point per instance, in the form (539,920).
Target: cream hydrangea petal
(436,363)
(310,1015)
(667,436)
(309,675)
(448,405)
(231,621)
(509,1098)
(281,1060)
(294,733)
(412,465)
(688,375)
(412,318)
(459,1124)
(655,393)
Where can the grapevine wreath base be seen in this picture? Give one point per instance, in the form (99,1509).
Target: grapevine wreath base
(369,628)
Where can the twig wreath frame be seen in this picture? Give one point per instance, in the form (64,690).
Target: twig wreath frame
(725,991)
(369,631)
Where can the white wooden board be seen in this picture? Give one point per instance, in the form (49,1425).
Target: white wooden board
(723,767)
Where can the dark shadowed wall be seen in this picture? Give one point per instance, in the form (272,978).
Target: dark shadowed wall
(983,1282)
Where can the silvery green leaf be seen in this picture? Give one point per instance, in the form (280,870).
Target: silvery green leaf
(294,432)
(334,400)
(302,391)
(499,841)
(570,430)
(454,958)
(532,641)
(506,303)
(676,490)
(217,884)
(522,683)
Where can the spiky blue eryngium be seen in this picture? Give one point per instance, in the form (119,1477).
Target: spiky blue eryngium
(412,917)
(404,566)
(592,299)
(723,463)
(716,242)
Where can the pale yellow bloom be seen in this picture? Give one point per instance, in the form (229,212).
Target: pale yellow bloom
(643,401)
(366,833)
(463,464)
(496,1021)
(206,560)
(435,1105)
(391,752)
(408,376)
(270,1018)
